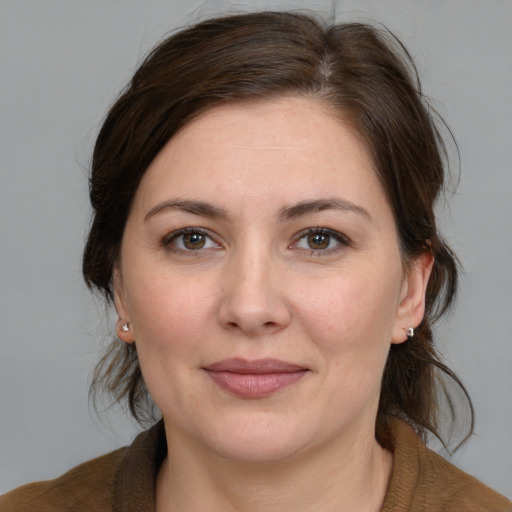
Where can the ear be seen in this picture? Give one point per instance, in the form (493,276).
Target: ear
(411,308)
(124,330)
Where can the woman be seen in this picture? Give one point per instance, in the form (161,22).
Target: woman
(263,199)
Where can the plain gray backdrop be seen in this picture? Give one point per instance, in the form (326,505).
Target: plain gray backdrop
(62,64)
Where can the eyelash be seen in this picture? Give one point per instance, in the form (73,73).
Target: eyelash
(342,240)
(168,240)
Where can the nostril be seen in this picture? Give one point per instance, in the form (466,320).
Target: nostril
(252,326)
(252,306)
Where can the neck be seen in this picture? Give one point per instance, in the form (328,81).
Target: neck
(349,475)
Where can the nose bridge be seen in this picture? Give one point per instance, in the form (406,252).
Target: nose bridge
(253,301)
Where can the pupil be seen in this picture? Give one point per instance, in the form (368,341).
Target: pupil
(194,240)
(318,241)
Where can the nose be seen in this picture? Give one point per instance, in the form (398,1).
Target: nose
(253,300)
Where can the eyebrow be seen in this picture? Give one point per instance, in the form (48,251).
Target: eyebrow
(195,207)
(204,209)
(317,205)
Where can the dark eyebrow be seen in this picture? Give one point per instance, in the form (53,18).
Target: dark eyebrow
(300,209)
(317,205)
(195,207)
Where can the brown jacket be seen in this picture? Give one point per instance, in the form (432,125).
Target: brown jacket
(124,480)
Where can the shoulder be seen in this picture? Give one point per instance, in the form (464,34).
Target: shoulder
(121,480)
(422,480)
(85,487)
(459,491)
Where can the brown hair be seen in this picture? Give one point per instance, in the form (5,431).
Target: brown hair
(362,73)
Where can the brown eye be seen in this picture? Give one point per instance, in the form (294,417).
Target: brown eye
(189,240)
(321,241)
(318,241)
(194,241)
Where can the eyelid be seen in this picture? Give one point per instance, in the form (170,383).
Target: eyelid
(170,237)
(344,241)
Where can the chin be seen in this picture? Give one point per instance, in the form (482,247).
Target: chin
(258,441)
(257,450)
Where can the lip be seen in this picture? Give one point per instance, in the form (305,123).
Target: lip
(254,379)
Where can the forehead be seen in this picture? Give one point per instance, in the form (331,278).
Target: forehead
(279,149)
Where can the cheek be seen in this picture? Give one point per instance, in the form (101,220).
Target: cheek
(169,315)
(170,320)
(351,313)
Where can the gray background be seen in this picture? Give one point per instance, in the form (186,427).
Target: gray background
(62,64)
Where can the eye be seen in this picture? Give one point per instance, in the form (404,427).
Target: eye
(321,240)
(189,239)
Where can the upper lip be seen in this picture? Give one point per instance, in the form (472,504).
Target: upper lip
(256,366)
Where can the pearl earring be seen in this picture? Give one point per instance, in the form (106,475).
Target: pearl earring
(410,332)
(125,327)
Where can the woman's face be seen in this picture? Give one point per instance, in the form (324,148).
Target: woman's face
(261,275)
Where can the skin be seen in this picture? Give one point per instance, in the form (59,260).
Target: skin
(261,286)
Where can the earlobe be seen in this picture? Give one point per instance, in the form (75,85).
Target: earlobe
(412,301)
(123,328)
(124,331)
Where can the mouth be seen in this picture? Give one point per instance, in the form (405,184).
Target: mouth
(254,379)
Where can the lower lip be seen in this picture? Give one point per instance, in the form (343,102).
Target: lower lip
(255,385)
